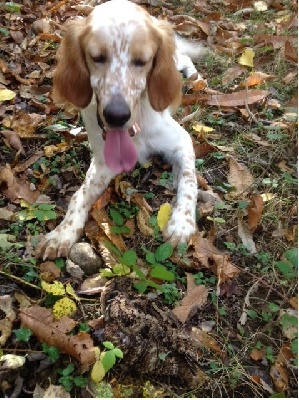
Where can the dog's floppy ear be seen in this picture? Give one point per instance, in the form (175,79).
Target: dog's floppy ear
(164,80)
(71,80)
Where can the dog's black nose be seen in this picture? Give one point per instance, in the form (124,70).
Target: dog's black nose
(117,113)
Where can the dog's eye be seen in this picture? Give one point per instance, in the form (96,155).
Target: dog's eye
(138,62)
(101,59)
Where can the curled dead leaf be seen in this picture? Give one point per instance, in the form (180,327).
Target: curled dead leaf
(238,176)
(196,297)
(57,333)
(255,210)
(142,222)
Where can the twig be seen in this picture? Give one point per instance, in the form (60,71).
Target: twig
(13,277)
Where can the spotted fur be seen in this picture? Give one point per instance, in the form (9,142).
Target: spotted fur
(120,51)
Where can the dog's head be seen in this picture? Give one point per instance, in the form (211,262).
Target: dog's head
(122,55)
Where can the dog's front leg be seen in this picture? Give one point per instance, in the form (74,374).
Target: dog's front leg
(179,150)
(58,242)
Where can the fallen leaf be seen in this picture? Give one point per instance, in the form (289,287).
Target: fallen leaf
(13,140)
(256,78)
(57,333)
(163,215)
(232,73)
(49,271)
(6,94)
(142,219)
(290,52)
(238,176)
(255,210)
(246,235)
(238,99)
(247,58)
(258,354)
(208,341)
(196,297)
(56,392)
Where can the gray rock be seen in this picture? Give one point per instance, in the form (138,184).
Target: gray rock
(83,255)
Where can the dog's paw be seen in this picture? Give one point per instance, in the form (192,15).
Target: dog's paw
(57,243)
(181,226)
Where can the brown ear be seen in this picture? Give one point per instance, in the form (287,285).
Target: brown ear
(71,80)
(164,80)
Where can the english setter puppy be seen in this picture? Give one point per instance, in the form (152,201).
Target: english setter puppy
(120,66)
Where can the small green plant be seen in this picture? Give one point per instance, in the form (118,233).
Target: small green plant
(68,380)
(171,293)
(51,351)
(289,266)
(166,179)
(110,355)
(201,279)
(41,212)
(23,334)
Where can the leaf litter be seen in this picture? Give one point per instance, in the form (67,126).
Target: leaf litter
(239,96)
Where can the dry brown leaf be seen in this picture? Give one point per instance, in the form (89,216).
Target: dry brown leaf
(258,354)
(246,235)
(52,149)
(253,137)
(238,99)
(238,176)
(13,140)
(294,302)
(255,210)
(203,149)
(49,271)
(207,340)
(105,224)
(290,52)
(56,333)
(56,392)
(289,77)
(256,78)
(278,371)
(104,199)
(14,188)
(100,242)
(196,297)
(140,201)
(142,222)
(232,73)
(225,269)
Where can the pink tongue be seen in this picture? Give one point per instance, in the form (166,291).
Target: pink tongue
(119,151)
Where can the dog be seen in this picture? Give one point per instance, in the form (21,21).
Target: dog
(121,66)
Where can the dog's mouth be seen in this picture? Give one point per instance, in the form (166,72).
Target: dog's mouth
(120,152)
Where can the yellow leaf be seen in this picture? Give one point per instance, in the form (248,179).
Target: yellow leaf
(202,128)
(63,307)
(260,6)
(55,288)
(69,290)
(24,203)
(97,372)
(163,215)
(247,58)
(267,196)
(6,94)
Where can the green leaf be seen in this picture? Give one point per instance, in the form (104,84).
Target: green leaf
(67,382)
(12,7)
(23,334)
(108,360)
(161,272)
(68,370)
(129,258)
(118,352)
(80,381)
(292,256)
(286,269)
(140,286)
(108,345)
(120,229)
(116,217)
(150,257)
(163,252)
(273,307)
(294,346)
(51,351)
(252,314)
